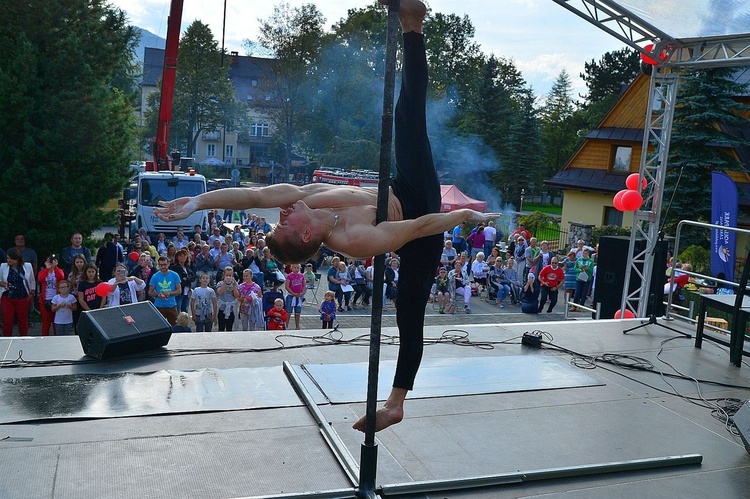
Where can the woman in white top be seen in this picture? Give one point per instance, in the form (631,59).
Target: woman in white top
(480,269)
(125,288)
(459,284)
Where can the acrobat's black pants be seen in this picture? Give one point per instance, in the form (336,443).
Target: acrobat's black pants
(417,187)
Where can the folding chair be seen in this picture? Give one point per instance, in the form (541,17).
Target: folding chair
(314,288)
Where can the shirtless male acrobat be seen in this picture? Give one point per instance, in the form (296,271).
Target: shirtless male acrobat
(343,217)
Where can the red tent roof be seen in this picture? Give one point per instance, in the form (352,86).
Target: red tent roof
(451,198)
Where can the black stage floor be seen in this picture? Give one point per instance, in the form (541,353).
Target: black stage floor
(213,415)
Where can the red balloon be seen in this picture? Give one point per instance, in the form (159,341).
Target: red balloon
(628,314)
(649,60)
(103,289)
(134,255)
(617,200)
(631,200)
(632,182)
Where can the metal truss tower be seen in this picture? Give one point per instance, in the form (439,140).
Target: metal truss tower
(654,154)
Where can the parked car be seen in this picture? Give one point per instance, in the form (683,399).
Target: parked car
(219,183)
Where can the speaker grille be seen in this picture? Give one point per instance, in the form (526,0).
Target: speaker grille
(123,330)
(127,320)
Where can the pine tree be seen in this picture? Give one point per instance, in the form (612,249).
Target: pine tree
(705,128)
(558,135)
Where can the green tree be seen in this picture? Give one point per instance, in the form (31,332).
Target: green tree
(341,104)
(559,138)
(453,57)
(707,123)
(204,97)
(295,36)
(610,74)
(605,79)
(498,109)
(67,130)
(522,166)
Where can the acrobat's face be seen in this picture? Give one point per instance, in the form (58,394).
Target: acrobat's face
(294,221)
(294,218)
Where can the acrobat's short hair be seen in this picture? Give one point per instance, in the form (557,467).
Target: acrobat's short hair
(292,251)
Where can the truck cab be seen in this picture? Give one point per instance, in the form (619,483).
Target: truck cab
(154,187)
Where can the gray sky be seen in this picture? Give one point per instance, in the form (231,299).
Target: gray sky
(539,35)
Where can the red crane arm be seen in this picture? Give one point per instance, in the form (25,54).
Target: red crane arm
(162,160)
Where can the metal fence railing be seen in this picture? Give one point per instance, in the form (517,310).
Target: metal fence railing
(690,318)
(556,237)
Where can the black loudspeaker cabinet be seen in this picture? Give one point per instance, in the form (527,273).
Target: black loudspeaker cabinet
(123,330)
(742,422)
(612,261)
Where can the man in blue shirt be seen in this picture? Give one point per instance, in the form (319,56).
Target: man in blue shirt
(163,288)
(459,243)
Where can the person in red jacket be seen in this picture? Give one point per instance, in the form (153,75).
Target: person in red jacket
(48,278)
(277,316)
(551,278)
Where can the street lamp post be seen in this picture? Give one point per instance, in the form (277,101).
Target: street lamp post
(522,194)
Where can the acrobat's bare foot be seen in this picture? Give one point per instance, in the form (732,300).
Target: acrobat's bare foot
(411,14)
(384,417)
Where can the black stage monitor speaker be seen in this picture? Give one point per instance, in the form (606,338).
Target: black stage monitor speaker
(742,422)
(123,330)
(612,261)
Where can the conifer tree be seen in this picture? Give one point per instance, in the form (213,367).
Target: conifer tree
(706,126)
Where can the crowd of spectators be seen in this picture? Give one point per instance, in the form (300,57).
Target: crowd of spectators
(229,278)
(524,273)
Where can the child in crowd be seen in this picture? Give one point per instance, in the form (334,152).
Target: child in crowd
(204,305)
(277,316)
(295,289)
(182,325)
(270,296)
(328,310)
(227,297)
(309,277)
(442,293)
(251,308)
(87,297)
(63,305)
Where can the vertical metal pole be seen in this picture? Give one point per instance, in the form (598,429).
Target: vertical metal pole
(369,450)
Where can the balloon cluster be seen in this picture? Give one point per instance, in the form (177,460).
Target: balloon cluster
(630,199)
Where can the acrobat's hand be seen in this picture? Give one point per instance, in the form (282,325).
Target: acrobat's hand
(477,216)
(176,210)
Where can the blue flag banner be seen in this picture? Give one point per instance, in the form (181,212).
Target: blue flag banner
(724,204)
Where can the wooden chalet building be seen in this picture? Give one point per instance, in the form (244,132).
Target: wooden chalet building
(612,151)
